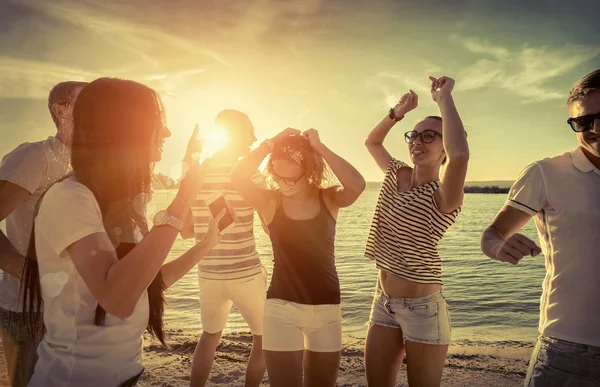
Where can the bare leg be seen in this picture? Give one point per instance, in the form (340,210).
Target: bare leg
(425,363)
(204,356)
(321,368)
(284,368)
(384,352)
(256,363)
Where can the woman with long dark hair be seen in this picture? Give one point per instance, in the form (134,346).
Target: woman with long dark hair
(98,269)
(302,336)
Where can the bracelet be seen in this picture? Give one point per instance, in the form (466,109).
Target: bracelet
(393,117)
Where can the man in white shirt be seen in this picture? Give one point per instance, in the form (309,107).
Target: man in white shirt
(563,195)
(25,174)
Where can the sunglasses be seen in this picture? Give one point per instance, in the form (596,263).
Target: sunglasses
(426,136)
(286,180)
(583,123)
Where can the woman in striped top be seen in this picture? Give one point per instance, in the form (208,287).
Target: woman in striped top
(415,208)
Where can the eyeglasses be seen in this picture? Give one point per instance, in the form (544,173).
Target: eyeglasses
(286,180)
(426,136)
(583,123)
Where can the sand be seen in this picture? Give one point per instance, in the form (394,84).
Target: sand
(3,374)
(467,364)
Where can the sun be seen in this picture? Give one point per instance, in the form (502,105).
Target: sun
(214,138)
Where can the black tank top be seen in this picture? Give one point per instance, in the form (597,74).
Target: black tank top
(304,258)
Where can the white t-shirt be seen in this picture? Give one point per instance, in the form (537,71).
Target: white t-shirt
(34,167)
(562,194)
(75,351)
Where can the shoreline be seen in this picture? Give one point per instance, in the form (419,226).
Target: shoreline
(498,364)
(501,364)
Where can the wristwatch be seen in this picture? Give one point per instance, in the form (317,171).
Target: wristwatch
(163,218)
(393,117)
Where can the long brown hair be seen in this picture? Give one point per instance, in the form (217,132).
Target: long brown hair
(297,149)
(115,124)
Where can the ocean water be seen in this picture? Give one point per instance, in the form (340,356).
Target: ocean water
(489,301)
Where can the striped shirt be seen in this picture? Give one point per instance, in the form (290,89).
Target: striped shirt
(406,229)
(236,256)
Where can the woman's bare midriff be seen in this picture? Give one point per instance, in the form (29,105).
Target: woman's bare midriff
(397,287)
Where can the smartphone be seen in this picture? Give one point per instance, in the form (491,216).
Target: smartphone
(216,203)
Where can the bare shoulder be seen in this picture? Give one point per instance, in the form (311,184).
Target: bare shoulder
(404,178)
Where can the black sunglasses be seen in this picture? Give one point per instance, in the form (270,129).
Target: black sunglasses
(286,180)
(426,136)
(583,123)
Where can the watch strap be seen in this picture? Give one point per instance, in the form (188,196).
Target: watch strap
(392,115)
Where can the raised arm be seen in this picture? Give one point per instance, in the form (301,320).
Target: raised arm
(451,192)
(118,284)
(353,184)
(374,141)
(241,174)
(500,241)
(11,195)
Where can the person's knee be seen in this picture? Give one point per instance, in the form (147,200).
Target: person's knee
(212,336)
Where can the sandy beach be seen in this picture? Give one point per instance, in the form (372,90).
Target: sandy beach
(468,364)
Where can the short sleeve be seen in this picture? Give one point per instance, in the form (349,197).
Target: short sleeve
(528,193)
(394,166)
(25,166)
(68,212)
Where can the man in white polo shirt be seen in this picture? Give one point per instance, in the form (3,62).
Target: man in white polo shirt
(563,195)
(25,174)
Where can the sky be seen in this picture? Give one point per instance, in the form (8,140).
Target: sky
(333,65)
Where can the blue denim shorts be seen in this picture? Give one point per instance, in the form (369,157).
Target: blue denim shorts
(423,319)
(561,363)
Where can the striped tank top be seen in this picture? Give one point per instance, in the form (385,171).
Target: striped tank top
(235,257)
(406,229)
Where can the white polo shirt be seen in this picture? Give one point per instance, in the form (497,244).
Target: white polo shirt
(563,195)
(34,167)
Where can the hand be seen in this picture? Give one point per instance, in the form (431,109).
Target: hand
(441,87)
(213,236)
(192,177)
(514,248)
(285,134)
(313,138)
(408,102)
(195,145)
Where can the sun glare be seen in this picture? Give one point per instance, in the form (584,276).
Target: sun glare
(214,138)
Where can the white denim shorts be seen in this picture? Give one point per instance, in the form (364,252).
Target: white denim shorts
(294,327)
(247,294)
(422,320)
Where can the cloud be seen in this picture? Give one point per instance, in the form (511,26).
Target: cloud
(526,71)
(393,86)
(31,79)
(480,46)
(142,39)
